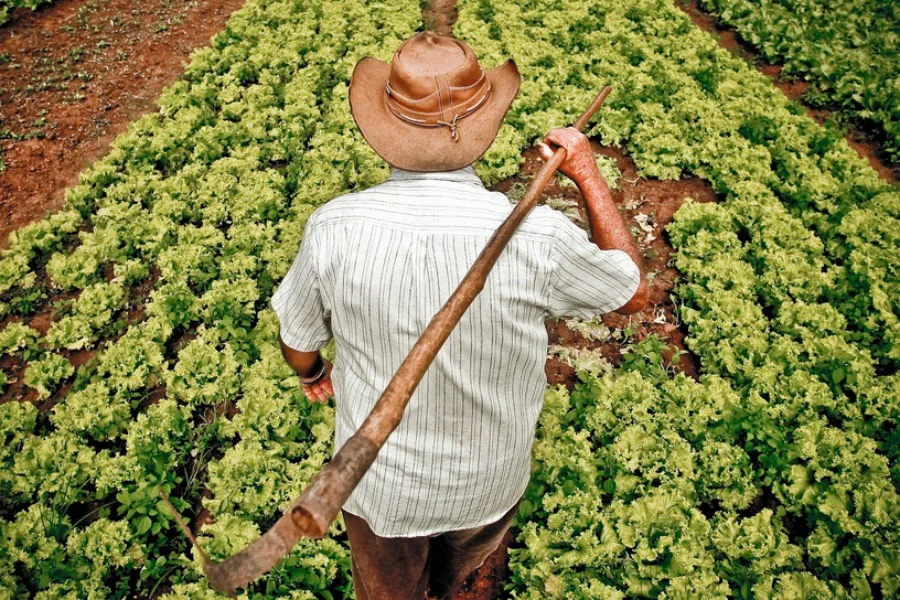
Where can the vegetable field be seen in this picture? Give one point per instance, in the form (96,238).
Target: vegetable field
(850,52)
(139,352)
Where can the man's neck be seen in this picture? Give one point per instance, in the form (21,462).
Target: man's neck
(463,175)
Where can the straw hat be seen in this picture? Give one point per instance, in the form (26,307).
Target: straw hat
(433,108)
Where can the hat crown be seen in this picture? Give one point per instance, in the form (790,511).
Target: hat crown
(433,107)
(435,77)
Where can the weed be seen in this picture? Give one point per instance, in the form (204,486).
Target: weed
(646,357)
(76,54)
(84,13)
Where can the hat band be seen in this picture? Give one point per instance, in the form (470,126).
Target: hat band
(396,104)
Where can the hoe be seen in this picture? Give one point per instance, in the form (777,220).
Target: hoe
(315,509)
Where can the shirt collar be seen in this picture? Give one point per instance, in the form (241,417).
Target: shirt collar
(464,175)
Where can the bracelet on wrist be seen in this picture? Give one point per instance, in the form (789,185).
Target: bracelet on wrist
(320,373)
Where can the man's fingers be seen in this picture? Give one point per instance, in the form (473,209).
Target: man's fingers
(562,136)
(325,390)
(556,132)
(568,137)
(546,151)
(312,394)
(319,392)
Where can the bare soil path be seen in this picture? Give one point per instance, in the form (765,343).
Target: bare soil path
(73,76)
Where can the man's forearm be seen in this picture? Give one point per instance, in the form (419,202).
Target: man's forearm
(304,363)
(313,370)
(609,232)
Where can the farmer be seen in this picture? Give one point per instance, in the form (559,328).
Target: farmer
(375,266)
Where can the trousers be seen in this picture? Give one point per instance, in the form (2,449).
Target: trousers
(403,568)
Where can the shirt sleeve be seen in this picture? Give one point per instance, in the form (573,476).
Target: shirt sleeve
(305,323)
(586,280)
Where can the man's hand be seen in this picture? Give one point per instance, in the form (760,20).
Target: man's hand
(322,390)
(307,364)
(579,165)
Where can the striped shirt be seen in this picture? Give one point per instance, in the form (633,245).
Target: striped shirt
(373,268)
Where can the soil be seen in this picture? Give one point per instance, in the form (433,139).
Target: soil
(73,75)
(440,15)
(647,206)
(864,142)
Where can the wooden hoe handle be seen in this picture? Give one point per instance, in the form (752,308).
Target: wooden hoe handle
(315,509)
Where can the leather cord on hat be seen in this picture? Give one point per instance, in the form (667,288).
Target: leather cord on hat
(454,130)
(395,94)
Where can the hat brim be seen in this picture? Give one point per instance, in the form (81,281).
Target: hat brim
(415,148)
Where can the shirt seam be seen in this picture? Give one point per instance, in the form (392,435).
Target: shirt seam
(408,533)
(418,229)
(312,231)
(554,265)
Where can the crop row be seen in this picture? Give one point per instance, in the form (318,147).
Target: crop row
(849,51)
(697,110)
(790,296)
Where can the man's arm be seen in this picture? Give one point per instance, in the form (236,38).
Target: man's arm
(310,366)
(304,321)
(608,230)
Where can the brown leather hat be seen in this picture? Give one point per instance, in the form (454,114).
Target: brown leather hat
(433,108)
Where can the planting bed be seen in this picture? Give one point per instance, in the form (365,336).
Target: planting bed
(866,138)
(73,75)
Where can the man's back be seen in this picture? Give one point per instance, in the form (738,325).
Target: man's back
(385,260)
(398,252)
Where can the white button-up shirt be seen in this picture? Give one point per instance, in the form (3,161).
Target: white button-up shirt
(373,268)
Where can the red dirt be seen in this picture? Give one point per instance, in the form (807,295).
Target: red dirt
(658,201)
(117,54)
(440,15)
(728,38)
